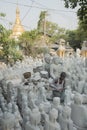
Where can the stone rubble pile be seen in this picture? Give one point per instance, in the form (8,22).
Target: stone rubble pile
(26,102)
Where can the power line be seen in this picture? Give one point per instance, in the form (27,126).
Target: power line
(38,7)
(31,6)
(6,20)
(27,11)
(39,3)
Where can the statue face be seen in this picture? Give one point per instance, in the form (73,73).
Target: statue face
(56,101)
(47,59)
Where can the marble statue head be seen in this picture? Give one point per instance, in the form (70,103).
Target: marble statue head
(78,99)
(9,84)
(9,107)
(56,101)
(41,107)
(53,114)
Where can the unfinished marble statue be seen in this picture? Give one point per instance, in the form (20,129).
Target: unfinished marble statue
(51,123)
(19,97)
(47,62)
(24,102)
(68,96)
(22,92)
(8,121)
(26,116)
(42,99)
(16,113)
(42,95)
(35,118)
(43,114)
(74,81)
(65,119)
(79,113)
(56,68)
(2,103)
(85,88)
(31,100)
(17,126)
(1,116)
(10,92)
(81,84)
(4,87)
(9,107)
(1,113)
(56,104)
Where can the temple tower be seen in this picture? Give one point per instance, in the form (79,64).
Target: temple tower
(17,28)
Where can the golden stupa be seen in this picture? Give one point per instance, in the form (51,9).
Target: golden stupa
(17,28)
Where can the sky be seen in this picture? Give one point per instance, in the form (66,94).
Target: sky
(30,12)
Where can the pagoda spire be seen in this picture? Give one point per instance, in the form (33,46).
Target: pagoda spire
(17,21)
(17,28)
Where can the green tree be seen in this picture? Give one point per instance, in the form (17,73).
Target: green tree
(27,40)
(9,46)
(4,33)
(42,20)
(82,11)
(81,34)
(73,39)
(2,14)
(52,30)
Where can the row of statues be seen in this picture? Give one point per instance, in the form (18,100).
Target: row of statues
(29,104)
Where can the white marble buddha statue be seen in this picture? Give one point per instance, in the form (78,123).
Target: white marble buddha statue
(47,62)
(65,119)
(51,123)
(56,68)
(79,112)
(35,118)
(56,104)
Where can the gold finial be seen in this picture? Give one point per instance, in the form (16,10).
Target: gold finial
(17,9)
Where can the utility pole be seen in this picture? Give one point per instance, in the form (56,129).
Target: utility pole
(44,32)
(44,29)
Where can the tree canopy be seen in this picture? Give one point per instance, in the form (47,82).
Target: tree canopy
(82,10)
(2,14)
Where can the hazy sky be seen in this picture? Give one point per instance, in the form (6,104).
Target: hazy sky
(30,11)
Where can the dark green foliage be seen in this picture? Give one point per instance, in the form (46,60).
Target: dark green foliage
(73,39)
(10,52)
(2,15)
(41,21)
(82,11)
